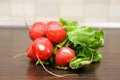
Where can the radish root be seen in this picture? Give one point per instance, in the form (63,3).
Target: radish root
(26,24)
(18,55)
(50,71)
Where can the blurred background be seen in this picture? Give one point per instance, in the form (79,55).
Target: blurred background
(13,12)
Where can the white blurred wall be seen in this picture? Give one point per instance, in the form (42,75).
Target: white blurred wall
(45,10)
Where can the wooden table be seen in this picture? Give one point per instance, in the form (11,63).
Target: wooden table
(14,41)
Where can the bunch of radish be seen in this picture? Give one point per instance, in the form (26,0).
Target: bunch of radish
(64,44)
(44,37)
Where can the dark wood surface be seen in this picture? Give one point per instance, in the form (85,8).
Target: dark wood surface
(14,41)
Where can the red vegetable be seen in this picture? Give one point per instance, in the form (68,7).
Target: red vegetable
(43,48)
(55,32)
(64,55)
(37,30)
(31,54)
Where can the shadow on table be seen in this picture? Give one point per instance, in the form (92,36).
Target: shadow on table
(87,73)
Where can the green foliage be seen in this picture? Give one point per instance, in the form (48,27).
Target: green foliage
(85,41)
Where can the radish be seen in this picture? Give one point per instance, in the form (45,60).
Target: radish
(55,32)
(43,48)
(37,30)
(64,55)
(31,54)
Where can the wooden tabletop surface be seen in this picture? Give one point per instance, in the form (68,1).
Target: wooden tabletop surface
(14,41)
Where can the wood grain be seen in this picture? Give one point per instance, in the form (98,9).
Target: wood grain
(14,41)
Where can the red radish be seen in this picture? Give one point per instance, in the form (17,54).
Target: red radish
(64,55)
(31,54)
(37,30)
(43,48)
(55,32)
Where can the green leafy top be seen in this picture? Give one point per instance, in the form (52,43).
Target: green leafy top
(85,36)
(85,41)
